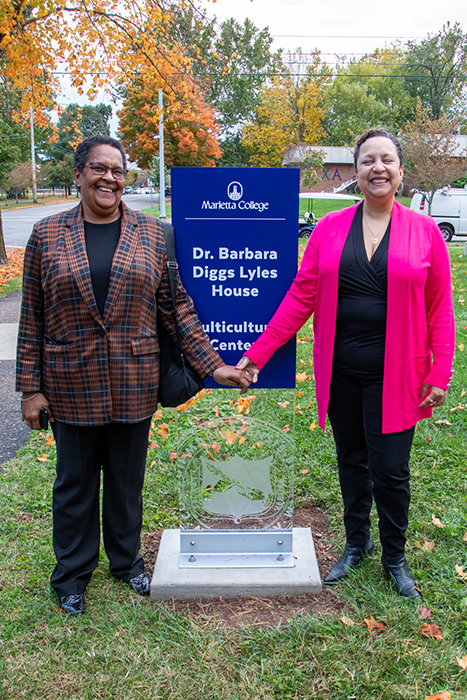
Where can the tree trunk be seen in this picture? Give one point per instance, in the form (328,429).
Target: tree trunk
(3,257)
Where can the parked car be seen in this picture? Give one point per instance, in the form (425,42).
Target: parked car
(308,221)
(449,210)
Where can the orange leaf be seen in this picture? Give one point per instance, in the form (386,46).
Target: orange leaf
(463,392)
(461,573)
(50,441)
(425,613)
(437,522)
(152,464)
(286,428)
(299,394)
(462,662)
(302,377)
(43,458)
(173,456)
(374,626)
(440,696)
(428,438)
(230,437)
(426,546)
(305,471)
(431,630)
(443,422)
(283,404)
(215,447)
(163,431)
(313,426)
(27,516)
(457,408)
(461,347)
(216,411)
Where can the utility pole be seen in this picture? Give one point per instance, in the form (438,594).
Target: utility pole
(161,157)
(33,158)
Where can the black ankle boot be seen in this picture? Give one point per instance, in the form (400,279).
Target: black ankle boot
(399,571)
(351,559)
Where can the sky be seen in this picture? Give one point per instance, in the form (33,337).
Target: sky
(343,27)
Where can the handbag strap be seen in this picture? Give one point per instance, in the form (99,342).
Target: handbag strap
(172,268)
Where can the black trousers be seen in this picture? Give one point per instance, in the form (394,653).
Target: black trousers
(371,464)
(120,451)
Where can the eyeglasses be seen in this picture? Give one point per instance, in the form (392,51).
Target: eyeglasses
(101,169)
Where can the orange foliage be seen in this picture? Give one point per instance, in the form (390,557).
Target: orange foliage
(14,268)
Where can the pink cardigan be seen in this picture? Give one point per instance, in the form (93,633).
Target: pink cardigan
(420,320)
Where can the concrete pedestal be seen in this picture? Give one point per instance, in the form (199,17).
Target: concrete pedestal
(168,581)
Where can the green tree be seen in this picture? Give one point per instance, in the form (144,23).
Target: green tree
(367,92)
(436,71)
(231,62)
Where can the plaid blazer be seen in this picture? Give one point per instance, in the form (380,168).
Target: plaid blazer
(95,369)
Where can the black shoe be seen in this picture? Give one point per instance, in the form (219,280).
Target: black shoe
(72,604)
(351,559)
(399,571)
(141,584)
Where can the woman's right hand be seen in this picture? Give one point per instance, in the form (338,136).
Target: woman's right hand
(31,407)
(249,368)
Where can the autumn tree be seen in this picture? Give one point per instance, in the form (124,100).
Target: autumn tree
(434,159)
(20,179)
(435,71)
(289,111)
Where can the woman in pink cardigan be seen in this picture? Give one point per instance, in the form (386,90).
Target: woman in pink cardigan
(377,279)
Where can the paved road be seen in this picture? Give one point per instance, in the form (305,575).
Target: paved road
(18,223)
(13,432)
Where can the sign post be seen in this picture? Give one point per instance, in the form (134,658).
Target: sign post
(236,234)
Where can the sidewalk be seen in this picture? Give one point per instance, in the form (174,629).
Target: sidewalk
(13,432)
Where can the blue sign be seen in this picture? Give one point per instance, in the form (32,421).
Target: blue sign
(237,246)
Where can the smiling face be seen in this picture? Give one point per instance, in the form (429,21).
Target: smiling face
(101,194)
(379,171)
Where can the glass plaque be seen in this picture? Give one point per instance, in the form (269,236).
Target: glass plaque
(236,485)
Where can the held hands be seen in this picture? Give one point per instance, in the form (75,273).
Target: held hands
(31,405)
(240,376)
(433,396)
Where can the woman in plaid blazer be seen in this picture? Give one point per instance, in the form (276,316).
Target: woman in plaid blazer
(95,278)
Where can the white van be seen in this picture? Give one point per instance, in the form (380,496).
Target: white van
(449,210)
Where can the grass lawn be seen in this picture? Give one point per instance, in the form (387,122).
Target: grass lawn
(127,648)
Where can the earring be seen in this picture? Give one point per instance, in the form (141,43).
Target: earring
(400,187)
(358,190)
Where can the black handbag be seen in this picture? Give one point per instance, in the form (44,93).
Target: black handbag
(178,381)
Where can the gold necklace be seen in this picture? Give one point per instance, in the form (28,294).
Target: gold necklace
(375,239)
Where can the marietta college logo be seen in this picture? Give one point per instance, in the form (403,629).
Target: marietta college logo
(235,191)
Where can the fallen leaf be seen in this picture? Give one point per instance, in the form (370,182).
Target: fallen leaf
(27,516)
(299,394)
(431,630)
(457,408)
(163,431)
(216,447)
(313,426)
(185,455)
(461,573)
(152,464)
(302,377)
(298,410)
(305,471)
(425,613)
(443,422)
(42,458)
(286,428)
(347,621)
(428,438)
(440,696)
(311,363)
(465,537)
(230,437)
(259,444)
(437,522)
(50,441)
(461,347)
(426,546)
(153,445)
(216,411)
(173,456)
(374,626)
(463,392)
(462,662)
(283,404)
(241,441)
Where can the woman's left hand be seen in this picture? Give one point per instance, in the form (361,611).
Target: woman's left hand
(231,376)
(433,396)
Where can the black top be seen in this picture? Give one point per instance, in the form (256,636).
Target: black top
(362,304)
(101,244)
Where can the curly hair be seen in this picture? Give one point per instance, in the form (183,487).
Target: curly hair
(372,133)
(83,149)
